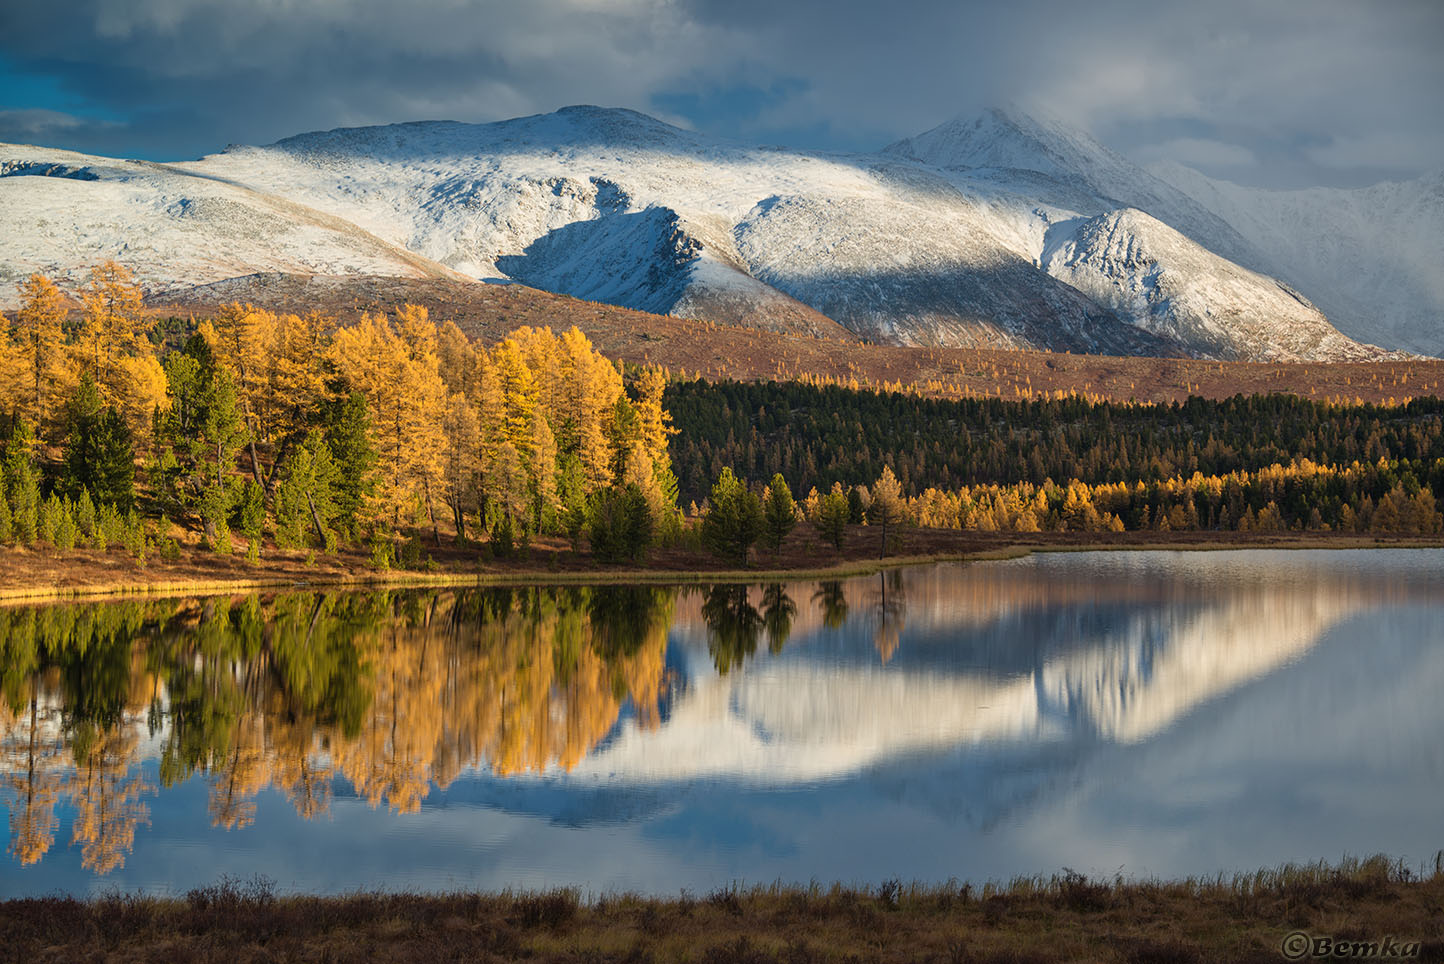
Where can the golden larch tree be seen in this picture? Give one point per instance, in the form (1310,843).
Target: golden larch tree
(113,348)
(407,401)
(41,343)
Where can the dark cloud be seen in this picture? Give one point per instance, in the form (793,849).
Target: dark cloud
(1302,91)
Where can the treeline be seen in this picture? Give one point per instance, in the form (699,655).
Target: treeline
(818,436)
(257,423)
(396,432)
(1381,497)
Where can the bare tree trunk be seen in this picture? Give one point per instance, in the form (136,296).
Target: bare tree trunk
(431,513)
(255,462)
(316,518)
(270,482)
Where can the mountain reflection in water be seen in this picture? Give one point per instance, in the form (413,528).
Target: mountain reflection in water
(391,696)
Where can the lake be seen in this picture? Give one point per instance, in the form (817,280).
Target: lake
(1149,713)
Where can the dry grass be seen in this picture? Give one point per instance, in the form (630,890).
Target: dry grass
(728,351)
(1062,918)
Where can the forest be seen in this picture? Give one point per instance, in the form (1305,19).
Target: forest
(119,430)
(1257,462)
(252,432)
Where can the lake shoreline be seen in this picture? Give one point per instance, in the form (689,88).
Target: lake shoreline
(1065,917)
(39,575)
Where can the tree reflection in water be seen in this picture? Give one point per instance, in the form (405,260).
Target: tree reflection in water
(831,600)
(394,692)
(889,612)
(732,626)
(778,612)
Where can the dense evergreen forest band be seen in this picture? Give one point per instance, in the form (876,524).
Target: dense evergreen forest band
(394,433)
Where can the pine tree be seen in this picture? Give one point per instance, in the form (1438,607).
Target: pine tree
(346,422)
(202,430)
(85,520)
(65,529)
(621,525)
(857,505)
(308,497)
(251,517)
(22,482)
(833,513)
(734,519)
(97,454)
(108,528)
(48,519)
(572,495)
(624,435)
(780,511)
(214,507)
(7,521)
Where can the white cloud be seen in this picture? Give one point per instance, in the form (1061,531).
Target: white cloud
(1198,152)
(1360,79)
(38,122)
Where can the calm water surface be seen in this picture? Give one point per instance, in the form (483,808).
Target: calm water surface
(1150,713)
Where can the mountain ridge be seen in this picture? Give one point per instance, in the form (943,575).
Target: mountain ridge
(1370,257)
(613,205)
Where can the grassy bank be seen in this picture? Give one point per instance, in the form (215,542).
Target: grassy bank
(37,575)
(1062,918)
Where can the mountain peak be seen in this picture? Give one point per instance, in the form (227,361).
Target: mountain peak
(1009,137)
(574,126)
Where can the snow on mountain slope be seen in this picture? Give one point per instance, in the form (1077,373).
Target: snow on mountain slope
(615,206)
(64,212)
(923,276)
(1009,140)
(545,196)
(1167,284)
(1372,258)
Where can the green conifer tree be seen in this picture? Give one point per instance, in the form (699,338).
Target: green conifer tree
(780,510)
(734,519)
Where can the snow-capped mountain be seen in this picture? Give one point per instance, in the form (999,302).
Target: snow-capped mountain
(1186,291)
(1077,171)
(63,212)
(1372,258)
(973,234)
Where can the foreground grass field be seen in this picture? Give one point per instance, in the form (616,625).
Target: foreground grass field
(1064,918)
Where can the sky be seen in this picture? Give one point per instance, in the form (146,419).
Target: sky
(1273,93)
